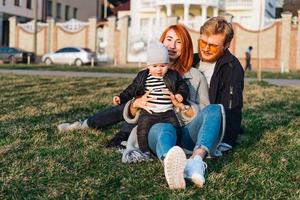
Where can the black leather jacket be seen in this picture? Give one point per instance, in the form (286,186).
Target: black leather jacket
(226,88)
(172,79)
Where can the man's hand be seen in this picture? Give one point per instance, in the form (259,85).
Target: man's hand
(116,100)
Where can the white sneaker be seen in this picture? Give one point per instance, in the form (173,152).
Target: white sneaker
(194,170)
(174,164)
(64,127)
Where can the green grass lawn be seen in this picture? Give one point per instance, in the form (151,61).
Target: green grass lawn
(37,162)
(130,68)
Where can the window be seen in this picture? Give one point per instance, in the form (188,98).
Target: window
(17,3)
(61,50)
(67,11)
(75,13)
(270,5)
(58,10)
(49,8)
(270,14)
(3,2)
(67,50)
(72,50)
(2,50)
(13,50)
(29,4)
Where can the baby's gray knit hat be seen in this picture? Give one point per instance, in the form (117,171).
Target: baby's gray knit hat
(157,53)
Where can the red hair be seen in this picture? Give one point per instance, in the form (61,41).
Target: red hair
(184,62)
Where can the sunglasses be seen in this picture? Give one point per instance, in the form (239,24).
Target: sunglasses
(212,47)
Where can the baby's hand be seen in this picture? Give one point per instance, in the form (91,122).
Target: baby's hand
(116,100)
(179,98)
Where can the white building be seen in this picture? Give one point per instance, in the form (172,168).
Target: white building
(252,14)
(190,12)
(249,13)
(150,17)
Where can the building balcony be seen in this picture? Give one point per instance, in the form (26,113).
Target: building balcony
(150,4)
(238,4)
(194,23)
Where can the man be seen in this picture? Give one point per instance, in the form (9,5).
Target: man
(224,74)
(248,58)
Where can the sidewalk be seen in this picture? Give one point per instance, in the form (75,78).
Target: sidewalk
(66,73)
(279,82)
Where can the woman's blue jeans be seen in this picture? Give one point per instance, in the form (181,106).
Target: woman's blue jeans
(203,131)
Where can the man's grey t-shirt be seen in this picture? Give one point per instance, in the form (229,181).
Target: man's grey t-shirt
(207,69)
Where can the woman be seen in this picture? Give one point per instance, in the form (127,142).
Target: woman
(201,122)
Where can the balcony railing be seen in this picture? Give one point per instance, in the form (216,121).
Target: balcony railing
(147,4)
(193,23)
(228,4)
(214,3)
(238,4)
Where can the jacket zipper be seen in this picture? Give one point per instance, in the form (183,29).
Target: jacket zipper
(231,94)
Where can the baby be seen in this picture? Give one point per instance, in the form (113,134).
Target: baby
(156,79)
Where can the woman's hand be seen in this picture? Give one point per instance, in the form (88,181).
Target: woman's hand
(142,102)
(174,100)
(188,111)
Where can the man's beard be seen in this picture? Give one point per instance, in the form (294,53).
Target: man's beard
(212,59)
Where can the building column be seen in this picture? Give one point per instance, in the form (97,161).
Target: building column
(105,9)
(169,10)
(54,14)
(298,44)
(157,17)
(135,16)
(186,13)
(258,14)
(51,38)
(204,13)
(1,29)
(92,34)
(216,11)
(12,31)
(285,41)
(111,40)
(121,52)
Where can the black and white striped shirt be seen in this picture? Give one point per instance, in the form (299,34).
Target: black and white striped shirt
(156,86)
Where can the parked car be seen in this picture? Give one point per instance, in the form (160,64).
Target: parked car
(14,55)
(69,55)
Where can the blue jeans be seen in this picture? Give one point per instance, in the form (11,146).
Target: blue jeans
(203,131)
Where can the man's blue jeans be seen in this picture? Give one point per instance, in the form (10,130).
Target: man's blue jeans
(203,131)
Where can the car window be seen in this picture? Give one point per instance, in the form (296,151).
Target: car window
(13,50)
(61,50)
(73,50)
(67,50)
